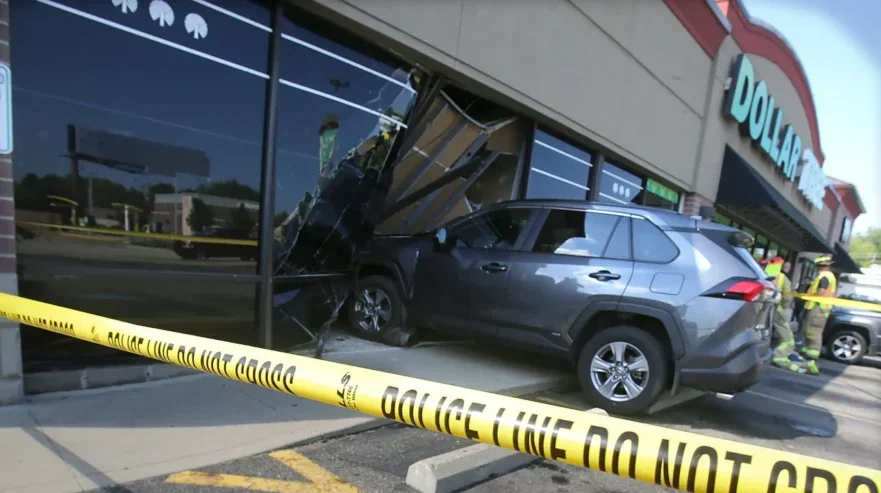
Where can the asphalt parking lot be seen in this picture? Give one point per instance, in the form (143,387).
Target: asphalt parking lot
(836,415)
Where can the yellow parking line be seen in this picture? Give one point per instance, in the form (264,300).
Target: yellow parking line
(239,482)
(320,480)
(815,408)
(311,471)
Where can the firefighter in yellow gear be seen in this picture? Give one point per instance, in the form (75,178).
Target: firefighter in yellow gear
(785,355)
(817,313)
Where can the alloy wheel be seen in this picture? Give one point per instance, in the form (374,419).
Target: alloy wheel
(619,371)
(373,309)
(846,347)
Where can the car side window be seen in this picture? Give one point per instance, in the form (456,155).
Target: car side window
(619,245)
(577,233)
(494,230)
(650,244)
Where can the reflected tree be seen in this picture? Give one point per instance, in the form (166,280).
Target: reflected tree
(201,216)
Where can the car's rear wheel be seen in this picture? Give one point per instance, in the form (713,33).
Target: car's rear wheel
(622,370)
(846,346)
(375,307)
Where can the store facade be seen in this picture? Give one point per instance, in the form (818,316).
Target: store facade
(161,147)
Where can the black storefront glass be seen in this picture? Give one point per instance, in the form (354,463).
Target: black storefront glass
(559,170)
(618,186)
(141,126)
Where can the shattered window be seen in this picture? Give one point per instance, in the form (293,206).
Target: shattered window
(340,109)
(342,106)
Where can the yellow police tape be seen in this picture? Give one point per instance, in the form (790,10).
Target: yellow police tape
(828,300)
(685,461)
(138,234)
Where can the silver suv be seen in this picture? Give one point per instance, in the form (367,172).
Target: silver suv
(641,300)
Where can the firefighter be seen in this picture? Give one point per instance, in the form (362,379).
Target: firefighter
(817,313)
(785,355)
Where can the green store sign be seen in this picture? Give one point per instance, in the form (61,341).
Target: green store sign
(665,193)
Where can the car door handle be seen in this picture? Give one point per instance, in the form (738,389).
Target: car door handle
(604,275)
(494,267)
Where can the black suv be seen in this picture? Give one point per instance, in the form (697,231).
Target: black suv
(641,300)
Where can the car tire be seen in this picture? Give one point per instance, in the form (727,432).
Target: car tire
(382,310)
(201,255)
(846,346)
(638,347)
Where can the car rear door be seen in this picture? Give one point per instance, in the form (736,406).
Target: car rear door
(573,258)
(460,290)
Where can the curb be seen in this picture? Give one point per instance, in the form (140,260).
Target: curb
(465,467)
(49,382)
(108,377)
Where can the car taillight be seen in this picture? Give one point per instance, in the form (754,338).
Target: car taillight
(746,290)
(742,289)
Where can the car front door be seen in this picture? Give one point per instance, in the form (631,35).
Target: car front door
(574,258)
(460,288)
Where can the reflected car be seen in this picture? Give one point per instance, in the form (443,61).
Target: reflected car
(202,250)
(641,301)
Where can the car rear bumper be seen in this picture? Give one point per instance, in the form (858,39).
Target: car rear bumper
(737,374)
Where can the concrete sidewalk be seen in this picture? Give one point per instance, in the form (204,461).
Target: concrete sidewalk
(89,439)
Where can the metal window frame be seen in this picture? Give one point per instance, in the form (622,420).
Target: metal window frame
(524,164)
(267,182)
(593,179)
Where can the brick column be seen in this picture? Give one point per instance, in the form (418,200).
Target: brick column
(694,202)
(11,386)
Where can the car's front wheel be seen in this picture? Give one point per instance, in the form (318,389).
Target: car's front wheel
(846,346)
(622,370)
(375,307)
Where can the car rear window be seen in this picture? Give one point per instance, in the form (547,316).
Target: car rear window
(720,238)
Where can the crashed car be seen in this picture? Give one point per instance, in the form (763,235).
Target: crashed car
(642,301)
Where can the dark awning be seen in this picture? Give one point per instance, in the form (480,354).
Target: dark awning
(746,194)
(844,263)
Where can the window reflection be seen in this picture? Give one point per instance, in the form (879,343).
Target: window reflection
(137,166)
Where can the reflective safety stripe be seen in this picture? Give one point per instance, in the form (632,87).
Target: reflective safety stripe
(813,353)
(786,344)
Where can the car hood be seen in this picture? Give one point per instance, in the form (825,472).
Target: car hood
(857,312)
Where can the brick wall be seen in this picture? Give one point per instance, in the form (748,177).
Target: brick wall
(11,388)
(693,203)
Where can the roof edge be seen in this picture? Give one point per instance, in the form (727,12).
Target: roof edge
(760,38)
